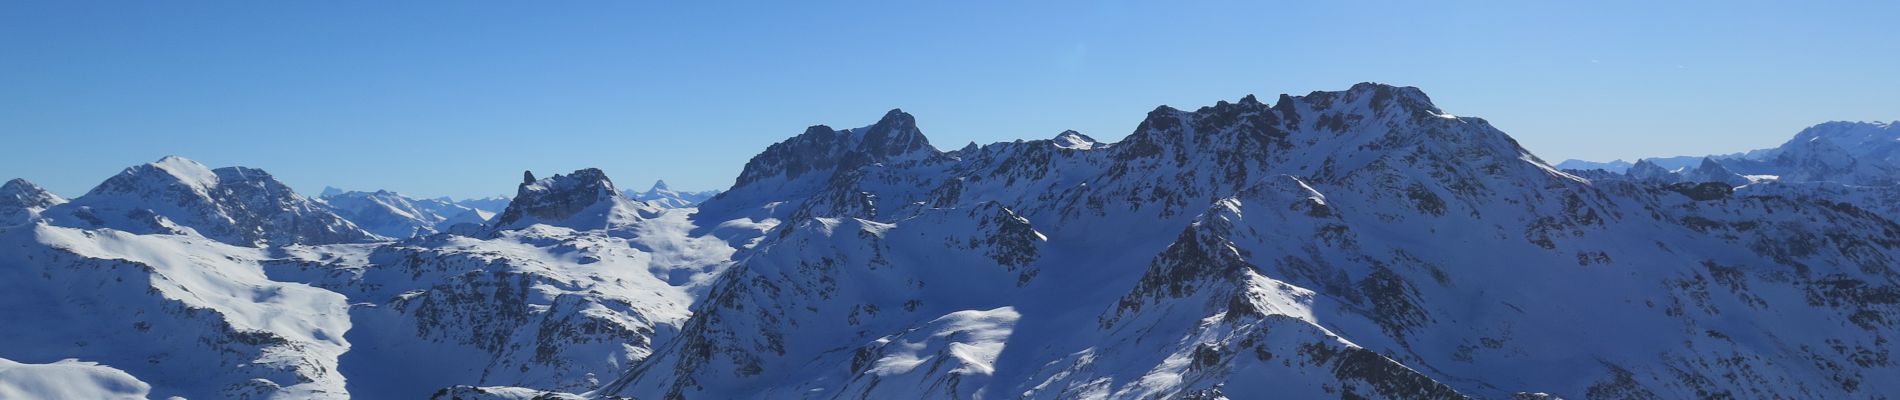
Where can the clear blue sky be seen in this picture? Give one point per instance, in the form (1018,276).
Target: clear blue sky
(456,98)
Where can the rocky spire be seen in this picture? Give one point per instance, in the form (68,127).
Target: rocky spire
(583,199)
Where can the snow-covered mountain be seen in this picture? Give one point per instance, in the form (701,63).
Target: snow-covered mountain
(1854,153)
(1322,246)
(571,286)
(235,205)
(665,197)
(1354,244)
(393,215)
(22,201)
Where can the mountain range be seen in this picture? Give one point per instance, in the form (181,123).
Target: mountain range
(1360,243)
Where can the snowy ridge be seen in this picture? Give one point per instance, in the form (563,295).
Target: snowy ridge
(22,201)
(68,379)
(1334,259)
(235,205)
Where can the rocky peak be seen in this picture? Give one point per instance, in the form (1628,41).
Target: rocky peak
(824,149)
(236,205)
(580,199)
(658,185)
(22,194)
(895,134)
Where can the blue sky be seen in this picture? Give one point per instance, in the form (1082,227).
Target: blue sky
(456,98)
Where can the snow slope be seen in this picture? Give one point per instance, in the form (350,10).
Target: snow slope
(191,316)
(68,379)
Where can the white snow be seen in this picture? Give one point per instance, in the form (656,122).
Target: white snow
(68,379)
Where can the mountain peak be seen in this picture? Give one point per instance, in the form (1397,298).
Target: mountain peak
(183,170)
(584,198)
(1075,140)
(894,134)
(236,205)
(822,148)
(20,193)
(659,185)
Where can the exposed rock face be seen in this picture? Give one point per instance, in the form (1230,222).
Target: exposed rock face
(584,199)
(236,205)
(22,201)
(822,149)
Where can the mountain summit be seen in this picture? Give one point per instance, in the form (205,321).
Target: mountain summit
(21,200)
(582,200)
(236,205)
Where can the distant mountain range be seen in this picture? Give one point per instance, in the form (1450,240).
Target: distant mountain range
(1856,153)
(1359,243)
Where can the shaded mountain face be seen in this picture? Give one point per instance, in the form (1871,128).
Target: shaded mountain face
(236,205)
(1360,243)
(584,199)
